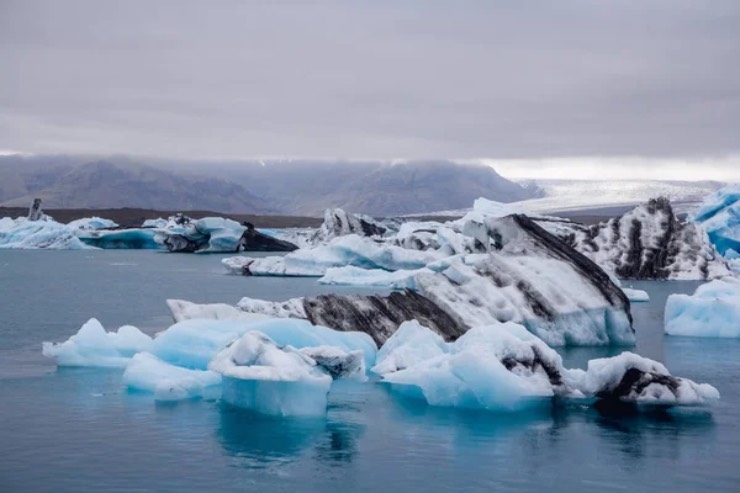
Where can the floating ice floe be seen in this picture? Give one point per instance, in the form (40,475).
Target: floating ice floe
(636,295)
(505,368)
(712,311)
(720,216)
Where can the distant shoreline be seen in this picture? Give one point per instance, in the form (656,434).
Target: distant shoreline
(134,217)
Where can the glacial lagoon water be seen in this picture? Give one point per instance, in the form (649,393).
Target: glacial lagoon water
(78,430)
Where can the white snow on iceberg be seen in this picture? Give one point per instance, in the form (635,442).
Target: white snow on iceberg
(712,311)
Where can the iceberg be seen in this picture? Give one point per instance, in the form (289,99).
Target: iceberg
(185,310)
(712,311)
(147,373)
(337,223)
(356,276)
(93,346)
(260,375)
(117,239)
(411,344)
(194,343)
(504,367)
(499,367)
(572,302)
(44,233)
(92,223)
(180,234)
(630,378)
(720,216)
(636,295)
(349,250)
(648,242)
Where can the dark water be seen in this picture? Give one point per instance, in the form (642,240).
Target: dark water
(77,430)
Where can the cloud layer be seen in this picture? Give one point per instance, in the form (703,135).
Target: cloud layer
(378,79)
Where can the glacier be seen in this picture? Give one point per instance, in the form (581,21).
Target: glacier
(712,311)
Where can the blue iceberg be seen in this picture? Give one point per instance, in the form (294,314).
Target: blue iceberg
(720,216)
(712,311)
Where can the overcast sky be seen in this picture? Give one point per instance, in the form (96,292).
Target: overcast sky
(530,83)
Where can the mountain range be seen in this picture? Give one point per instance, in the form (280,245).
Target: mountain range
(292,187)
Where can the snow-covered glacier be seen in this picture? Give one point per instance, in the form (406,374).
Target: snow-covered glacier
(712,311)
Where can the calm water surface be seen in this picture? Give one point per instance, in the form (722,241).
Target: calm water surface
(78,430)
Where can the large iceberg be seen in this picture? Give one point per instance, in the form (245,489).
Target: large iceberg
(720,216)
(648,242)
(712,311)
(524,274)
(504,367)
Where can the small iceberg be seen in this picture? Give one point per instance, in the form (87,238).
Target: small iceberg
(712,311)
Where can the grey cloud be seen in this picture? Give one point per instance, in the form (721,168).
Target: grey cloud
(371,79)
